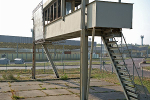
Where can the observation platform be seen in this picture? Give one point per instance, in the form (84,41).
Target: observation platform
(62,20)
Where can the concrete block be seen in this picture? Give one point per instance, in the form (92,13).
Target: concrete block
(102,83)
(56,91)
(61,97)
(4,88)
(56,82)
(107,96)
(5,96)
(26,87)
(4,84)
(26,83)
(33,93)
(54,86)
(107,88)
(77,90)
(73,84)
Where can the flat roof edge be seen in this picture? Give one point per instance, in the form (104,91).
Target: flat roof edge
(47,3)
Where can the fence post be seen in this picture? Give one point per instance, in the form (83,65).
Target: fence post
(67,56)
(6,67)
(112,68)
(12,57)
(25,67)
(26,56)
(133,72)
(44,67)
(63,68)
(142,72)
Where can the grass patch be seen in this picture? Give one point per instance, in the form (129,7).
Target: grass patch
(112,78)
(64,77)
(147,68)
(105,76)
(14,97)
(8,77)
(43,89)
(95,62)
(148,60)
(145,81)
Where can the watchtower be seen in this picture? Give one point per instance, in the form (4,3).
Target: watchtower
(58,20)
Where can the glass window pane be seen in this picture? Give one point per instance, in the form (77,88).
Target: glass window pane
(51,13)
(59,8)
(55,10)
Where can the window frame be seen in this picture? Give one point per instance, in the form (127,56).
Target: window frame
(46,21)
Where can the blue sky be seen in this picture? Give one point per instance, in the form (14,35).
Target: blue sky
(15,19)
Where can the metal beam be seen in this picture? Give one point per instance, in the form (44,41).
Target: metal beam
(63,9)
(50,60)
(84,54)
(83,65)
(90,67)
(33,61)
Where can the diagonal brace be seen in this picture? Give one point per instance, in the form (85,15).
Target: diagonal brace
(50,60)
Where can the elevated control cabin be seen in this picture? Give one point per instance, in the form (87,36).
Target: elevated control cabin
(61,19)
(65,19)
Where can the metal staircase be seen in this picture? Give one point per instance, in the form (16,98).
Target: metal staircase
(126,80)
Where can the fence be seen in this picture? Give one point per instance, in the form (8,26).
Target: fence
(42,57)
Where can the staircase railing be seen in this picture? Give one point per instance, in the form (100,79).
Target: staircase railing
(134,67)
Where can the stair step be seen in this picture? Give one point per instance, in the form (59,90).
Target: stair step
(121,68)
(132,94)
(128,82)
(121,65)
(116,54)
(124,71)
(112,42)
(113,48)
(125,77)
(108,37)
(129,88)
(118,59)
(132,98)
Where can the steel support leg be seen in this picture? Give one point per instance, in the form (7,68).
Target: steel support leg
(101,55)
(83,53)
(33,61)
(50,60)
(83,65)
(90,68)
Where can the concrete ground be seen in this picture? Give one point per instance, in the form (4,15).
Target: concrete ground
(59,90)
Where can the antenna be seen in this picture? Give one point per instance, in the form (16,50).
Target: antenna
(142,36)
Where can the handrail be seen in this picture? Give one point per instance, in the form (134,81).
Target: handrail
(123,60)
(126,66)
(134,66)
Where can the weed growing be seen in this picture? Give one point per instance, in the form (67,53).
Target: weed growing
(64,77)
